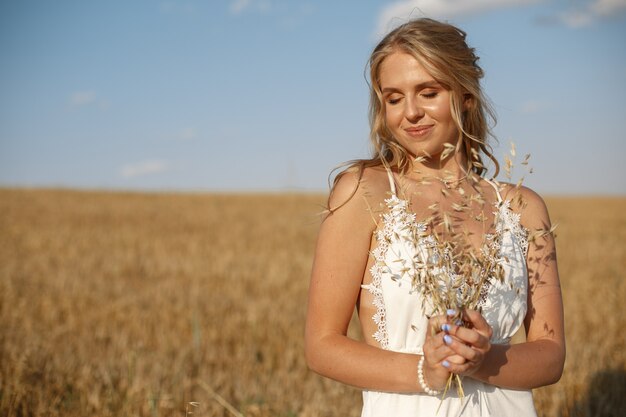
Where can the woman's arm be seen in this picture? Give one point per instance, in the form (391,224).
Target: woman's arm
(540,360)
(340,260)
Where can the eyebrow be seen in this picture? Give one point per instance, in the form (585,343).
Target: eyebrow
(425,84)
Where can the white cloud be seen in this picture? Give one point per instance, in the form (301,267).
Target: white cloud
(173,7)
(607,7)
(82,98)
(591,11)
(400,11)
(88,98)
(576,18)
(286,14)
(187,133)
(240,6)
(104,104)
(144,168)
(533,106)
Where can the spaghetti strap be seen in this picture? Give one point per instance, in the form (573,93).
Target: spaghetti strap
(392,183)
(495,187)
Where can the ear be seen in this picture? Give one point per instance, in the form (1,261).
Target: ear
(468,101)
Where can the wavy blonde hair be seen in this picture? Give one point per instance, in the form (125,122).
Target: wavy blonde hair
(442,50)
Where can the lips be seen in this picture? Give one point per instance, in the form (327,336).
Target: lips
(420,130)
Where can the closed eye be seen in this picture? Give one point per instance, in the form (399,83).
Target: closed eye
(393,98)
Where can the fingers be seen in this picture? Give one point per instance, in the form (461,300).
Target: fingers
(436,350)
(466,368)
(435,323)
(478,322)
(467,336)
(456,359)
(466,359)
(469,345)
(470,353)
(478,334)
(456,348)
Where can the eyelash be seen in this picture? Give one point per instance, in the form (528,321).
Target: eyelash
(427,96)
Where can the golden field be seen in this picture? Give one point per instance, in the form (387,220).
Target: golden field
(136,304)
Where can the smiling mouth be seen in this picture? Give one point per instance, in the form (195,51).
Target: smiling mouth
(418,130)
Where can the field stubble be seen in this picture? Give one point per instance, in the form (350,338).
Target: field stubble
(127,304)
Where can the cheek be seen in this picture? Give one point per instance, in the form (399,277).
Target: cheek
(392,116)
(444,110)
(439,109)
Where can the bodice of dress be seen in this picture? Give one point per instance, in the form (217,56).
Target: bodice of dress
(401,322)
(400,319)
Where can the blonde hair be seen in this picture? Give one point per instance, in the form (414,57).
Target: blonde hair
(442,50)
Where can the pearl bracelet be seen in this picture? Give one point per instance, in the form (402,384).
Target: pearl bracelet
(420,378)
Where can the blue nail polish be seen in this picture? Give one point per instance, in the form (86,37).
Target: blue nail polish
(458,322)
(446,364)
(451,312)
(445,327)
(447,339)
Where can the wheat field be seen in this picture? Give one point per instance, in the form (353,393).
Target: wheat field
(144,304)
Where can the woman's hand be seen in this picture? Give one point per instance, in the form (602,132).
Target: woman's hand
(471,344)
(435,352)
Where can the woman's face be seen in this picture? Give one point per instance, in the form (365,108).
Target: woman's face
(417,108)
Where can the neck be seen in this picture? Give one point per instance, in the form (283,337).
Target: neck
(452,168)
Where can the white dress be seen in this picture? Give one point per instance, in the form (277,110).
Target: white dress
(401,325)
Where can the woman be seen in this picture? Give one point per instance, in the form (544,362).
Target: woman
(425,184)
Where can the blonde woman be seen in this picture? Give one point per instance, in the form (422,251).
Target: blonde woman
(429,131)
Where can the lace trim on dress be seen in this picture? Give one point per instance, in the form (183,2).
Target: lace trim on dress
(506,221)
(396,219)
(511,222)
(397,222)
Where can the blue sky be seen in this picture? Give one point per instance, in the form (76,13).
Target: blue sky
(270,94)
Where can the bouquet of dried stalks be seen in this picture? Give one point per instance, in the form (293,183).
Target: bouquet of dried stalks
(448,270)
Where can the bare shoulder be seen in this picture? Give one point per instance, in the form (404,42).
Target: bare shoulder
(530,205)
(359,189)
(352,217)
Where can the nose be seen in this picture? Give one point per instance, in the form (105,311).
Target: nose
(413,111)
